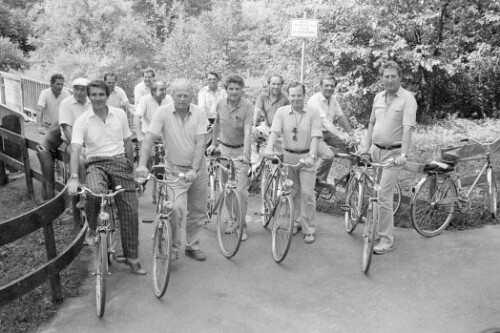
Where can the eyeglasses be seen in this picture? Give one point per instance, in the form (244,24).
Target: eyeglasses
(294,131)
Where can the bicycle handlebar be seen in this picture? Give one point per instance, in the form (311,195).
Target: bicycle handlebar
(277,160)
(83,190)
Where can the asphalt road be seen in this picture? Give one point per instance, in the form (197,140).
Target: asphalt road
(448,283)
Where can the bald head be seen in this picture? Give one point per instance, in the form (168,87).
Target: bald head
(182,94)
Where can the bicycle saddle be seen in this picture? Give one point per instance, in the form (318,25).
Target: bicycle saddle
(439,167)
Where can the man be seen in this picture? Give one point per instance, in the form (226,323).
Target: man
(143,88)
(265,107)
(148,105)
(117,97)
(233,126)
(331,115)
(300,128)
(48,103)
(105,133)
(71,108)
(183,126)
(392,123)
(210,95)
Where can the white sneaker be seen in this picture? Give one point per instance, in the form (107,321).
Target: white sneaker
(90,237)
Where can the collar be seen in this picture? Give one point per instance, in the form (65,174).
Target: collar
(188,111)
(398,93)
(292,110)
(93,114)
(324,99)
(233,107)
(76,102)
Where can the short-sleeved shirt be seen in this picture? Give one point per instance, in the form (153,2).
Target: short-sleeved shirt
(69,111)
(232,120)
(147,108)
(268,104)
(389,119)
(117,98)
(178,134)
(329,109)
(208,99)
(50,103)
(140,91)
(307,122)
(102,138)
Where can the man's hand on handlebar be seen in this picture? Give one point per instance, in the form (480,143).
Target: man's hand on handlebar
(211,149)
(73,185)
(141,172)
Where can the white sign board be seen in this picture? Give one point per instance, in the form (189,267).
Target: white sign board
(304,28)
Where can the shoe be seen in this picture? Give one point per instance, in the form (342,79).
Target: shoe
(244,236)
(136,267)
(383,247)
(296,228)
(309,238)
(120,258)
(196,254)
(147,220)
(90,237)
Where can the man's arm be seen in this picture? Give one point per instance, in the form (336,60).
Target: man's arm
(247,141)
(68,131)
(344,122)
(146,147)
(39,112)
(216,131)
(368,139)
(74,164)
(129,150)
(199,155)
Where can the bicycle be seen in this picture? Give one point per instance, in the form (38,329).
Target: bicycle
(105,240)
(277,205)
(163,251)
(438,194)
(255,174)
(359,190)
(224,202)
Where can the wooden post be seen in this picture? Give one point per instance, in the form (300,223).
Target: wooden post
(27,168)
(3,99)
(50,246)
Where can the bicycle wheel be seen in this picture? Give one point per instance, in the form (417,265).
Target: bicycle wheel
(369,236)
(101,265)
(268,194)
(354,199)
(229,223)
(162,255)
(433,204)
(282,229)
(493,192)
(214,192)
(397,199)
(111,235)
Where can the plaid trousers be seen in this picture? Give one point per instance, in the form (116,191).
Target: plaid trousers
(113,171)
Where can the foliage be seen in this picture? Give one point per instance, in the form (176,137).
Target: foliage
(11,56)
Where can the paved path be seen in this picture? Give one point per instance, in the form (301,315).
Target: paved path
(450,283)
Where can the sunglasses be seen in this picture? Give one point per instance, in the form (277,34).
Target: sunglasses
(294,131)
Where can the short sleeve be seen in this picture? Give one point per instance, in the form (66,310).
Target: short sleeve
(259,103)
(410,110)
(78,130)
(316,123)
(277,125)
(249,114)
(156,124)
(202,121)
(42,99)
(141,107)
(65,115)
(338,110)
(123,118)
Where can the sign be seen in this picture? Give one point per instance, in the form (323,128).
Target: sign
(303,28)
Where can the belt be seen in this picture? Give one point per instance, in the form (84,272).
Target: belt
(303,151)
(387,147)
(231,146)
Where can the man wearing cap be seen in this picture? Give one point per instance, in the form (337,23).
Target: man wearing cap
(183,127)
(106,135)
(300,128)
(331,116)
(48,103)
(392,123)
(233,126)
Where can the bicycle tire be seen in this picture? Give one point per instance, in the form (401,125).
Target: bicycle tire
(162,257)
(493,192)
(229,223)
(111,235)
(369,236)
(397,199)
(396,195)
(433,204)
(355,190)
(214,188)
(282,228)
(268,193)
(101,264)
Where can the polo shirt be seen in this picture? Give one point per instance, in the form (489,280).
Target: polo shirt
(389,120)
(178,135)
(50,103)
(147,108)
(207,100)
(329,109)
(232,120)
(69,111)
(118,98)
(269,104)
(140,91)
(307,121)
(102,138)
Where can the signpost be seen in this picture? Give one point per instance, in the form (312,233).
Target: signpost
(303,28)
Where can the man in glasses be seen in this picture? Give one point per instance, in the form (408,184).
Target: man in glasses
(233,126)
(332,117)
(300,127)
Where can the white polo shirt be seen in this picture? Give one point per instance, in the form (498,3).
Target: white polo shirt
(102,138)
(50,103)
(140,91)
(117,98)
(147,108)
(329,110)
(69,111)
(207,100)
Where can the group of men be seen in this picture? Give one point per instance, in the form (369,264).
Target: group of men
(298,131)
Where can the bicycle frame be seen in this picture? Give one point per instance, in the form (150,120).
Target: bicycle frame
(213,166)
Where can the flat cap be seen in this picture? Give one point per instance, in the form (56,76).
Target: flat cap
(81,81)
